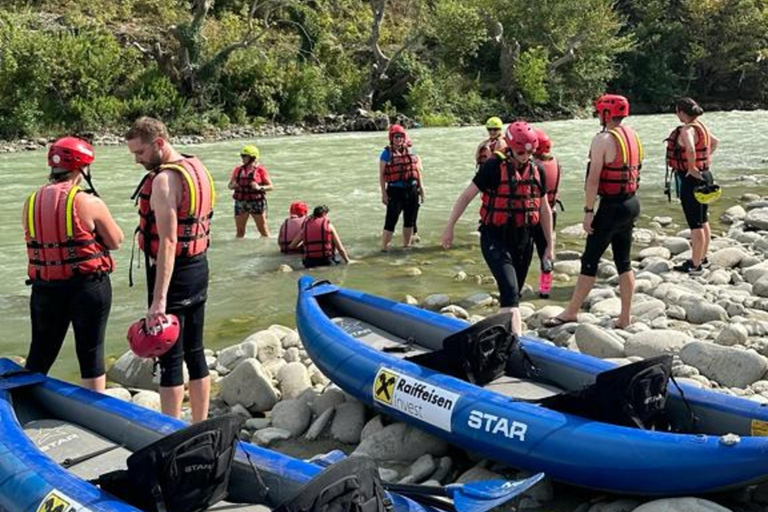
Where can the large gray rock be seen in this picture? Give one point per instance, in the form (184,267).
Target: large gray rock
(733,334)
(421,468)
(436,301)
(293,379)
(269,435)
(269,345)
(757,218)
(760,287)
(230,357)
(733,214)
(348,423)
(401,442)
(730,367)
(329,399)
(648,309)
(622,505)
(681,505)
(132,371)
(727,258)
(655,343)
(656,251)
(568,267)
(477,473)
(120,393)
(756,272)
(698,311)
(374,425)
(292,415)
(598,342)
(609,307)
(250,386)
(477,300)
(291,339)
(676,244)
(148,399)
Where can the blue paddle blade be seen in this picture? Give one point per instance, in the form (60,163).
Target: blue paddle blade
(484,495)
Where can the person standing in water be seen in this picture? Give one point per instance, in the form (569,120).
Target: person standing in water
(319,240)
(175,199)
(494,142)
(291,226)
(402,186)
(615,160)
(250,183)
(552,172)
(513,204)
(69,235)
(689,155)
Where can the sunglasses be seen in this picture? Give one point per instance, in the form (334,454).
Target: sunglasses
(398,136)
(491,130)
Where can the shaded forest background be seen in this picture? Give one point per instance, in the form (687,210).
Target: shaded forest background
(73,65)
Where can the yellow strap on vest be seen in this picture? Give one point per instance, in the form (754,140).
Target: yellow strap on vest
(31,214)
(704,130)
(70,216)
(501,155)
(641,152)
(212,186)
(190,184)
(622,146)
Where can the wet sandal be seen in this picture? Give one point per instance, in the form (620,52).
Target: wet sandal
(555,321)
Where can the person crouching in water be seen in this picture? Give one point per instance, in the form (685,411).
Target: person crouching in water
(320,241)
(513,204)
(69,235)
(291,226)
(689,155)
(494,142)
(250,182)
(402,185)
(552,171)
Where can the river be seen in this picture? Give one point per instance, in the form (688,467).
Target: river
(340,170)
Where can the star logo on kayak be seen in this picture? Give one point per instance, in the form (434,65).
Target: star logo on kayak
(384,386)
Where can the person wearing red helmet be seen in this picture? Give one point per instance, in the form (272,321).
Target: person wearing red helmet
(250,183)
(69,236)
(513,204)
(615,160)
(402,185)
(175,200)
(297,214)
(553,172)
(319,241)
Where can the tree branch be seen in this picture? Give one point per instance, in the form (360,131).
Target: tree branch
(569,54)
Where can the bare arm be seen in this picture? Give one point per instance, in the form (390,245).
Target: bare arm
(466,197)
(297,240)
(596,159)
(687,141)
(339,246)
(420,178)
(545,212)
(382,181)
(267,185)
(714,142)
(104,224)
(164,203)
(232,185)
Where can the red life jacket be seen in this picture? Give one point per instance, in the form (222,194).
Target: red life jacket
(622,175)
(402,166)
(677,157)
(487,150)
(244,178)
(318,239)
(552,174)
(58,246)
(193,215)
(518,195)
(288,231)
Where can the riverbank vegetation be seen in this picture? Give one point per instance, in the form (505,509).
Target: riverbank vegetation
(67,65)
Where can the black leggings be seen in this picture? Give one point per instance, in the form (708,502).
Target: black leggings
(540,240)
(508,256)
(696,214)
(83,302)
(403,200)
(187,294)
(612,225)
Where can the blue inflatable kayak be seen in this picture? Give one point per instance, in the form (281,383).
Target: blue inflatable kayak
(361,342)
(55,436)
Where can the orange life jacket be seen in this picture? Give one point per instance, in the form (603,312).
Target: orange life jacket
(518,196)
(244,178)
(318,239)
(487,150)
(677,157)
(288,231)
(193,214)
(58,246)
(402,166)
(622,176)
(552,174)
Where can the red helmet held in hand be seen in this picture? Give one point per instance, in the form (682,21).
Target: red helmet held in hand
(396,129)
(521,137)
(545,143)
(70,153)
(609,106)
(153,344)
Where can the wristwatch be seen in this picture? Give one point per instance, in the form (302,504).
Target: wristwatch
(589,210)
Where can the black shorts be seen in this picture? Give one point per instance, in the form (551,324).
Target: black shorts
(187,294)
(612,225)
(403,200)
(696,214)
(83,302)
(508,254)
(255,207)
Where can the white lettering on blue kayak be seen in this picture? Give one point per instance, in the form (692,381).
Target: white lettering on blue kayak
(497,425)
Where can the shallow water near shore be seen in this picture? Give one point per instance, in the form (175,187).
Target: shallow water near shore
(340,170)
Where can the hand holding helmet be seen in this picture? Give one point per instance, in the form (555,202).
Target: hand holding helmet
(155,341)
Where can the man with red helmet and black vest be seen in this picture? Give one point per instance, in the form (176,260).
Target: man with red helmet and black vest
(402,187)
(552,172)
(615,160)
(319,240)
(513,204)
(69,235)
(175,200)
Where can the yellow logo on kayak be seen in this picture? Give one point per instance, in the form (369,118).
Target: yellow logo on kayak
(53,503)
(384,386)
(759,428)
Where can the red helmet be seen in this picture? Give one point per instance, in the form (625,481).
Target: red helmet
(148,344)
(545,143)
(298,208)
(521,137)
(70,153)
(609,106)
(395,129)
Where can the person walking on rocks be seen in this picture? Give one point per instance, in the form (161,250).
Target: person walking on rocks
(494,142)
(689,156)
(552,171)
(250,183)
(175,199)
(513,205)
(69,233)
(402,186)
(615,160)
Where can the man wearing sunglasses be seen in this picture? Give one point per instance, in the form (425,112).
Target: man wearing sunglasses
(494,142)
